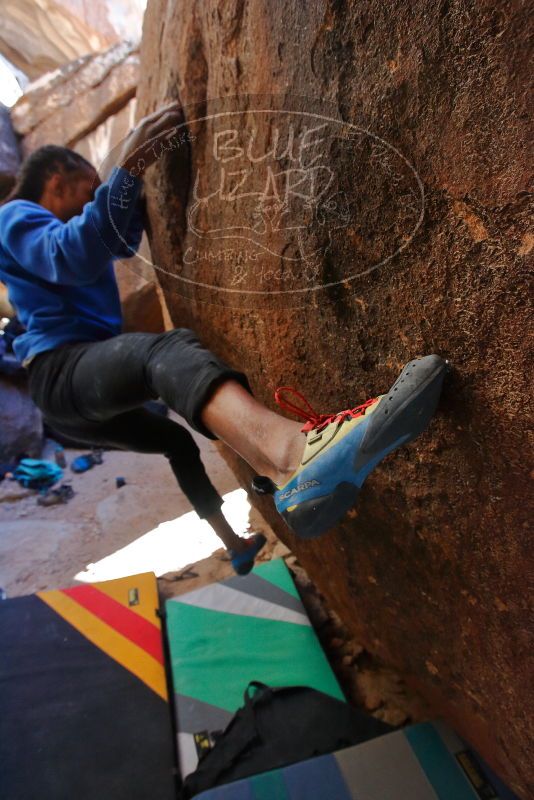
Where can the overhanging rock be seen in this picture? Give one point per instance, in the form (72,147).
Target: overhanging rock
(65,105)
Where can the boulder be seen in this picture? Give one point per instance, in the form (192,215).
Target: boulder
(21,426)
(325,251)
(42,35)
(142,306)
(59,88)
(9,152)
(67,105)
(97,145)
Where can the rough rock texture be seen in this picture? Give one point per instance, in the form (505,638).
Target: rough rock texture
(21,426)
(142,306)
(430,570)
(66,105)
(9,152)
(97,145)
(89,105)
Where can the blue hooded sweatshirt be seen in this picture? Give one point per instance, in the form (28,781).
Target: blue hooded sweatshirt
(60,275)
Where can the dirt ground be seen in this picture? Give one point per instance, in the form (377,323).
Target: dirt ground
(46,547)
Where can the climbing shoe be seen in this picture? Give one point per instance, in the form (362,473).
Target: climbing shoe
(342,449)
(243,562)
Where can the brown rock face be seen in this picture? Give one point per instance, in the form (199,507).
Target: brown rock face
(363,201)
(9,152)
(97,145)
(68,104)
(142,307)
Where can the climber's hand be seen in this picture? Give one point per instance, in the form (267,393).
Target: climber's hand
(143,146)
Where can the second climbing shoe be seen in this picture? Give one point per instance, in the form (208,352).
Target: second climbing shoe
(244,561)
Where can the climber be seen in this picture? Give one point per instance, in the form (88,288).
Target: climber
(60,230)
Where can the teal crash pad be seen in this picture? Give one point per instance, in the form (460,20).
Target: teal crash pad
(223,636)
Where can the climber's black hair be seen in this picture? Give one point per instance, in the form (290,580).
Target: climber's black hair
(40,166)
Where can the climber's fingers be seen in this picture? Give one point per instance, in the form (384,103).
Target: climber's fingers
(139,151)
(163,118)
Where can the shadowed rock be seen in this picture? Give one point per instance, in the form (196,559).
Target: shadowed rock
(21,426)
(9,152)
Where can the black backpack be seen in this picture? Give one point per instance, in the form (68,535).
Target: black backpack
(278,727)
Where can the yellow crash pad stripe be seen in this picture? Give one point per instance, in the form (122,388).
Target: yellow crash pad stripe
(119,589)
(115,645)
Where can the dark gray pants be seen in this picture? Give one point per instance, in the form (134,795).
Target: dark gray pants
(93,392)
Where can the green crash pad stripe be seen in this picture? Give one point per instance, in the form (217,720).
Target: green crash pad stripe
(276,572)
(438,763)
(215,655)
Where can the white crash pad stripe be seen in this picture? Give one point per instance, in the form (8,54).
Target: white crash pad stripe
(218,597)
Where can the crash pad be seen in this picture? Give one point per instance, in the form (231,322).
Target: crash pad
(83,697)
(226,634)
(421,762)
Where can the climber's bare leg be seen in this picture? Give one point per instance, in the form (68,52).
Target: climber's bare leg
(271,444)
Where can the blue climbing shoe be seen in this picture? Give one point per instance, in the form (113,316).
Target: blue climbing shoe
(243,562)
(342,449)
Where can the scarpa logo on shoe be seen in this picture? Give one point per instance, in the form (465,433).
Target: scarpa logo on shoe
(300,488)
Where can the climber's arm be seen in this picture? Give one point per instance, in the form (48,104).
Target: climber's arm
(77,251)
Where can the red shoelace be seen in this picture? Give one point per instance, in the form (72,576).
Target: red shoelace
(315,421)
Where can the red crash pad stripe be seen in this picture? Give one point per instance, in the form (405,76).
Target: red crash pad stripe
(132,626)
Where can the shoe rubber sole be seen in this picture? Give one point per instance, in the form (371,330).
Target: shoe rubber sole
(401,416)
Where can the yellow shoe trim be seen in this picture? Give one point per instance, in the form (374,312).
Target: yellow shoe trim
(330,436)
